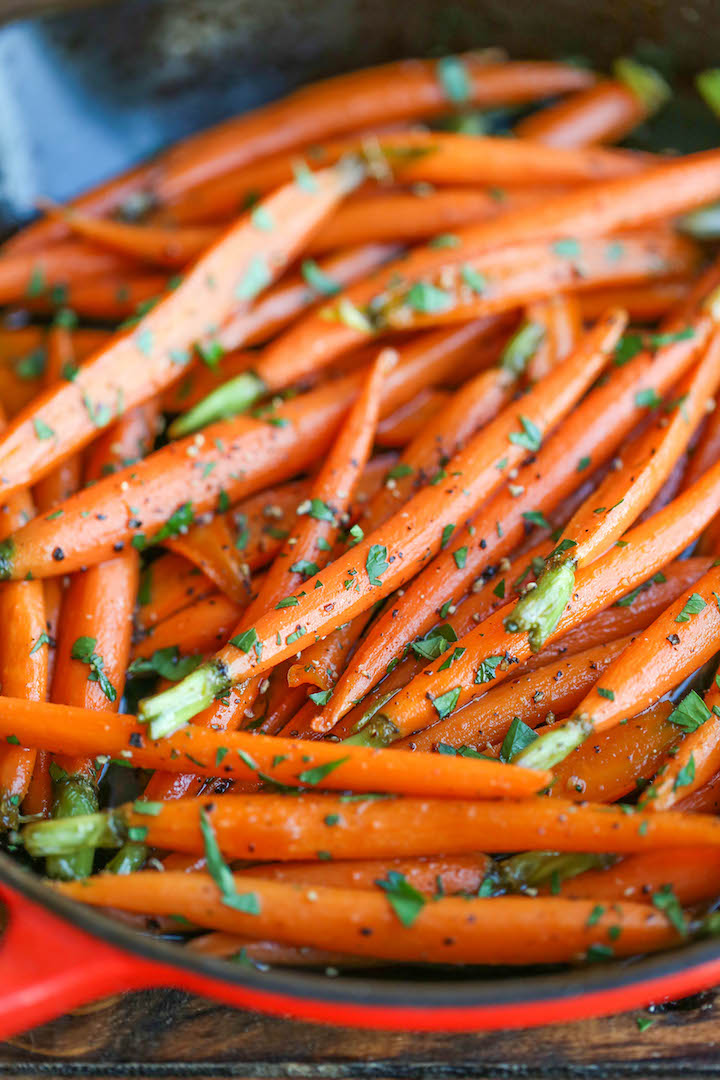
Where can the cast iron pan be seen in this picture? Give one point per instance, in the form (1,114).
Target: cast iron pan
(85,94)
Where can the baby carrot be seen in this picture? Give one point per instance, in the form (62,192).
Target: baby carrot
(139,363)
(286,761)
(561,322)
(698,757)
(692,874)
(211,546)
(594,430)
(167,585)
(409,420)
(645,549)
(275,827)
(65,479)
(619,499)
(392,554)
(196,628)
(59,267)
(498,930)
(156,244)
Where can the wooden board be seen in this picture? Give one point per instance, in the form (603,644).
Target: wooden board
(169,1034)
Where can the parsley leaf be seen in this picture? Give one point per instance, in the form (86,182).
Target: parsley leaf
(376,563)
(486,671)
(404,898)
(530,437)
(691,713)
(445,703)
(693,605)
(221,873)
(518,736)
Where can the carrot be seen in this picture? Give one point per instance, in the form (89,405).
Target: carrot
(299,291)
(390,93)
(536,697)
(545,269)
(355,768)
(707,450)
(646,548)
(263,954)
(597,210)
(705,800)
(693,875)
(559,316)
(643,302)
(617,762)
(274,827)
(111,297)
(506,930)
(238,457)
(141,362)
(679,641)
(429,874)
(405,216)
(211,546)
(389,556)
(698,757)
(622,496)
(196,628)
(167,585)
(155,244)
(410,419)
(55,269)
(594,430)
(604,113)
(65,479)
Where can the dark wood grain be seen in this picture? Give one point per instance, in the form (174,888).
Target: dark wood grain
(169,1034)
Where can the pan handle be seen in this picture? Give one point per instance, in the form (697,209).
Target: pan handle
(48,966)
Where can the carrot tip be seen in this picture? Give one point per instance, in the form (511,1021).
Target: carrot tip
(233,397)
(538,612)
(170,710)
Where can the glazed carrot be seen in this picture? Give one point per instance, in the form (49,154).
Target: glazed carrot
(141,362)
(501,930)
(314,535)
(196,628)
(693,875)
(404,216)
(646,548)
(544,270)
(604,113)
(707,450)
(619,499)
(263,954)
(597,210)
(339,768)
(560,318)
(282,702)
(698,757)
(211,546)
(34,274)
(392,554)
(111,297)
(617,762)
(705,800)
(273,827)
(167,585)
(390,93)
(410,419)
(65,479)
(536,697)
(239,457)
(298,292)
(171,247)
(643,302)
(679,641)
(594,430)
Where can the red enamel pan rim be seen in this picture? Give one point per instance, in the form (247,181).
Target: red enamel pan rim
(450,1005)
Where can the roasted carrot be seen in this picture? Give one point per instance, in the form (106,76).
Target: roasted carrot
(644,303)
(680,640)
(507,930)
(646,548)
(110,298)
(561,322)
(554,689)
(390,93)
(698,757)
(619,499)
(65,479)
(199,627)
(238,457)
(705,800)
(405,216)
(171,247)
(167,585)
(273,827)
(604,113)
(409,420)
(353,768)
(617,762)
(55,269)
(141,362)
(598,210)
(211,546)
(389,556)
(595,429)
(707,450)
(693,875)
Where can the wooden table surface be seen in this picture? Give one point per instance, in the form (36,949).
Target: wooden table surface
(172,1035)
